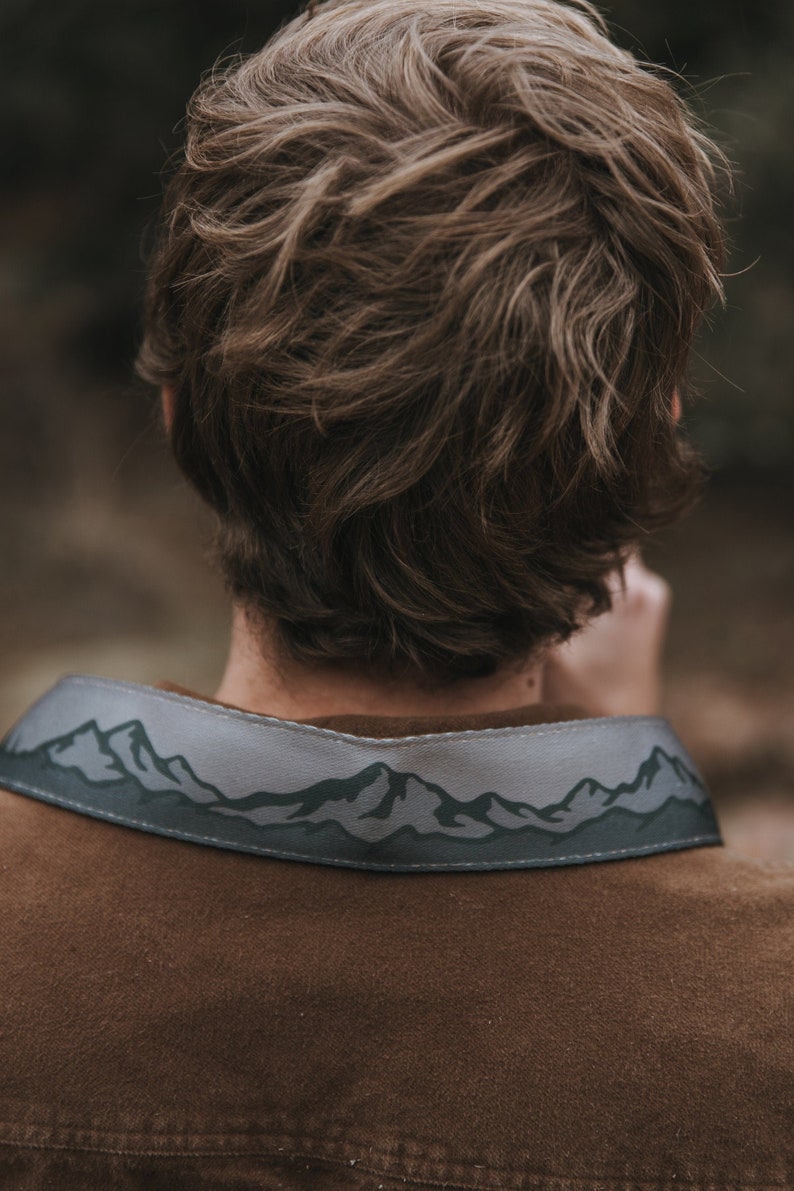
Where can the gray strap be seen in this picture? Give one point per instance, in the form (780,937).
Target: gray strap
(548,794)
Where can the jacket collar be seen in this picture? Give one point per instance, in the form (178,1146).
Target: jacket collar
(535,795)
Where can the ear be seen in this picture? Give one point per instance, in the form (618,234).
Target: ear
(167,399)
(677,408)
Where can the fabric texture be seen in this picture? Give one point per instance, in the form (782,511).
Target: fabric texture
(175,1016)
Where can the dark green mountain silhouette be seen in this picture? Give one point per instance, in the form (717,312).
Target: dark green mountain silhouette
(375,805)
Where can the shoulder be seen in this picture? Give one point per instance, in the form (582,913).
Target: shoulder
(578,1022)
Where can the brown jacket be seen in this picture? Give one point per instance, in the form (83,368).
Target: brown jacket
(178,1016)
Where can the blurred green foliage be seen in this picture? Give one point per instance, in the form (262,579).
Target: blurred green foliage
(94,94)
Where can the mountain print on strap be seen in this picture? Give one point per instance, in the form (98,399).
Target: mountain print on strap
(521,797)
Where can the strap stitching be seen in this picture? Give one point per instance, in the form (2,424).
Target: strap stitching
(129,821)
(429,739)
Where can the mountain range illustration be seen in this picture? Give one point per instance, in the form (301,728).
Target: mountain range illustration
(373,805)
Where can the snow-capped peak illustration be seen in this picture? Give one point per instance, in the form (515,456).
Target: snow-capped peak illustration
(372,805)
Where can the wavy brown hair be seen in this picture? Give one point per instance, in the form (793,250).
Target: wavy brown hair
(426,281)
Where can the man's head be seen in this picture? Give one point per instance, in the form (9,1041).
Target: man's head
(425,287)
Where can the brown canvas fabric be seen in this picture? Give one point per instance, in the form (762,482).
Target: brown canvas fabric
(176,1016)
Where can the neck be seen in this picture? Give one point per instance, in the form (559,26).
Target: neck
(255,680)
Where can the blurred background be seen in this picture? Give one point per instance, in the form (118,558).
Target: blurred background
(103,551)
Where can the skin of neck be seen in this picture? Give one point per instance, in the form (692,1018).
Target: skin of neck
(256,680)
